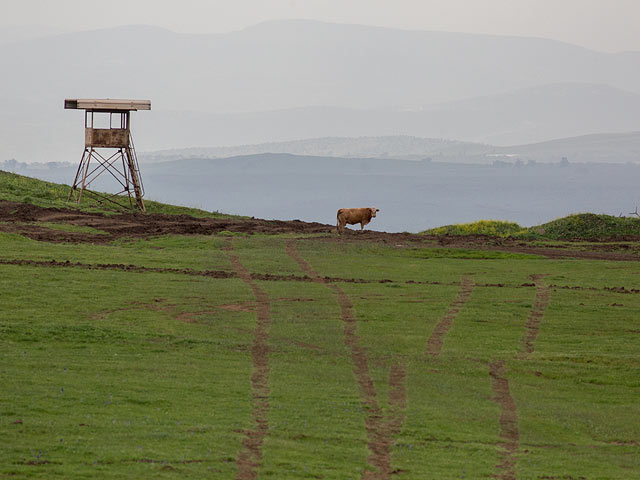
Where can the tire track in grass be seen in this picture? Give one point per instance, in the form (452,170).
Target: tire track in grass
(535,317)
(379,429)
(509,434)
(397,398)
(249,458)
(435,342)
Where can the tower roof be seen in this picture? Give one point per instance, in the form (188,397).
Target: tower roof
(106,104)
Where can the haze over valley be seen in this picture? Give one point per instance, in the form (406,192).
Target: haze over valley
(290,80)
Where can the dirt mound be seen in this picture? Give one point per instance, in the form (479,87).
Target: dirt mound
(30,221)
(23,219)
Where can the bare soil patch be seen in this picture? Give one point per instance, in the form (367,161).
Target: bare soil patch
(239,307)
(16,215)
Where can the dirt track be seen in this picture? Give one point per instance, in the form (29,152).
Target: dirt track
(435,342)
(250,456)
(509,434)
(537,312)
(380,431)
(27,220)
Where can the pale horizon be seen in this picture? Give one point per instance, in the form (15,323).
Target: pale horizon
(608,26)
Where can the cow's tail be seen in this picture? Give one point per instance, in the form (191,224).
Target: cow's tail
(338,221)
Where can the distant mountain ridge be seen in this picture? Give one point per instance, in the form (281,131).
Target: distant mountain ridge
(524,116)
(287,80)
(598,148)
(392,147)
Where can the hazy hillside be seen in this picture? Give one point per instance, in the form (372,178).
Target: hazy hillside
(523,116)
(399,146)
(20,34)
(286,64)
(287,80)
(600,148)
(604,148)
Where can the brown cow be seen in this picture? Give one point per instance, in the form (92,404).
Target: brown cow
(355,215)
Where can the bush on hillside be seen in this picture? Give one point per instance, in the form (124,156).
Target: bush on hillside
(496,228)
(582,226)
(588,226)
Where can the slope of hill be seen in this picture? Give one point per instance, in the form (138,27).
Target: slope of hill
(517,117)
(605,148)
(399,147)
(23,189)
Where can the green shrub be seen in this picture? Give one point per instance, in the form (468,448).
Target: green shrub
(582,226)
(588,226)
(496,228)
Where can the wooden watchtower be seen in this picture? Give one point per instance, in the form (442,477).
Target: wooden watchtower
(121,164)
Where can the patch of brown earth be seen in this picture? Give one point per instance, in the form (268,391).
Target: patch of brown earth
(509,433)
(117,266)
(13,217)
(239,307)
(250,456)
(379,431)
(288,299)
(135,224)
(151,460)
(435,342)
(535,317)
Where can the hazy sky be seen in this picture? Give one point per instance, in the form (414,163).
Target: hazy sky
(607,25)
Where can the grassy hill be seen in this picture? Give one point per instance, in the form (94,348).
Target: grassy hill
(312,356)
(22,189)
(578,227)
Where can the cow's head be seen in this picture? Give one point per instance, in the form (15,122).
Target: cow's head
(374,210)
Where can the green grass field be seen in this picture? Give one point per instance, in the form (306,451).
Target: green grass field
(293,357)
(110,373)
(21,189)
